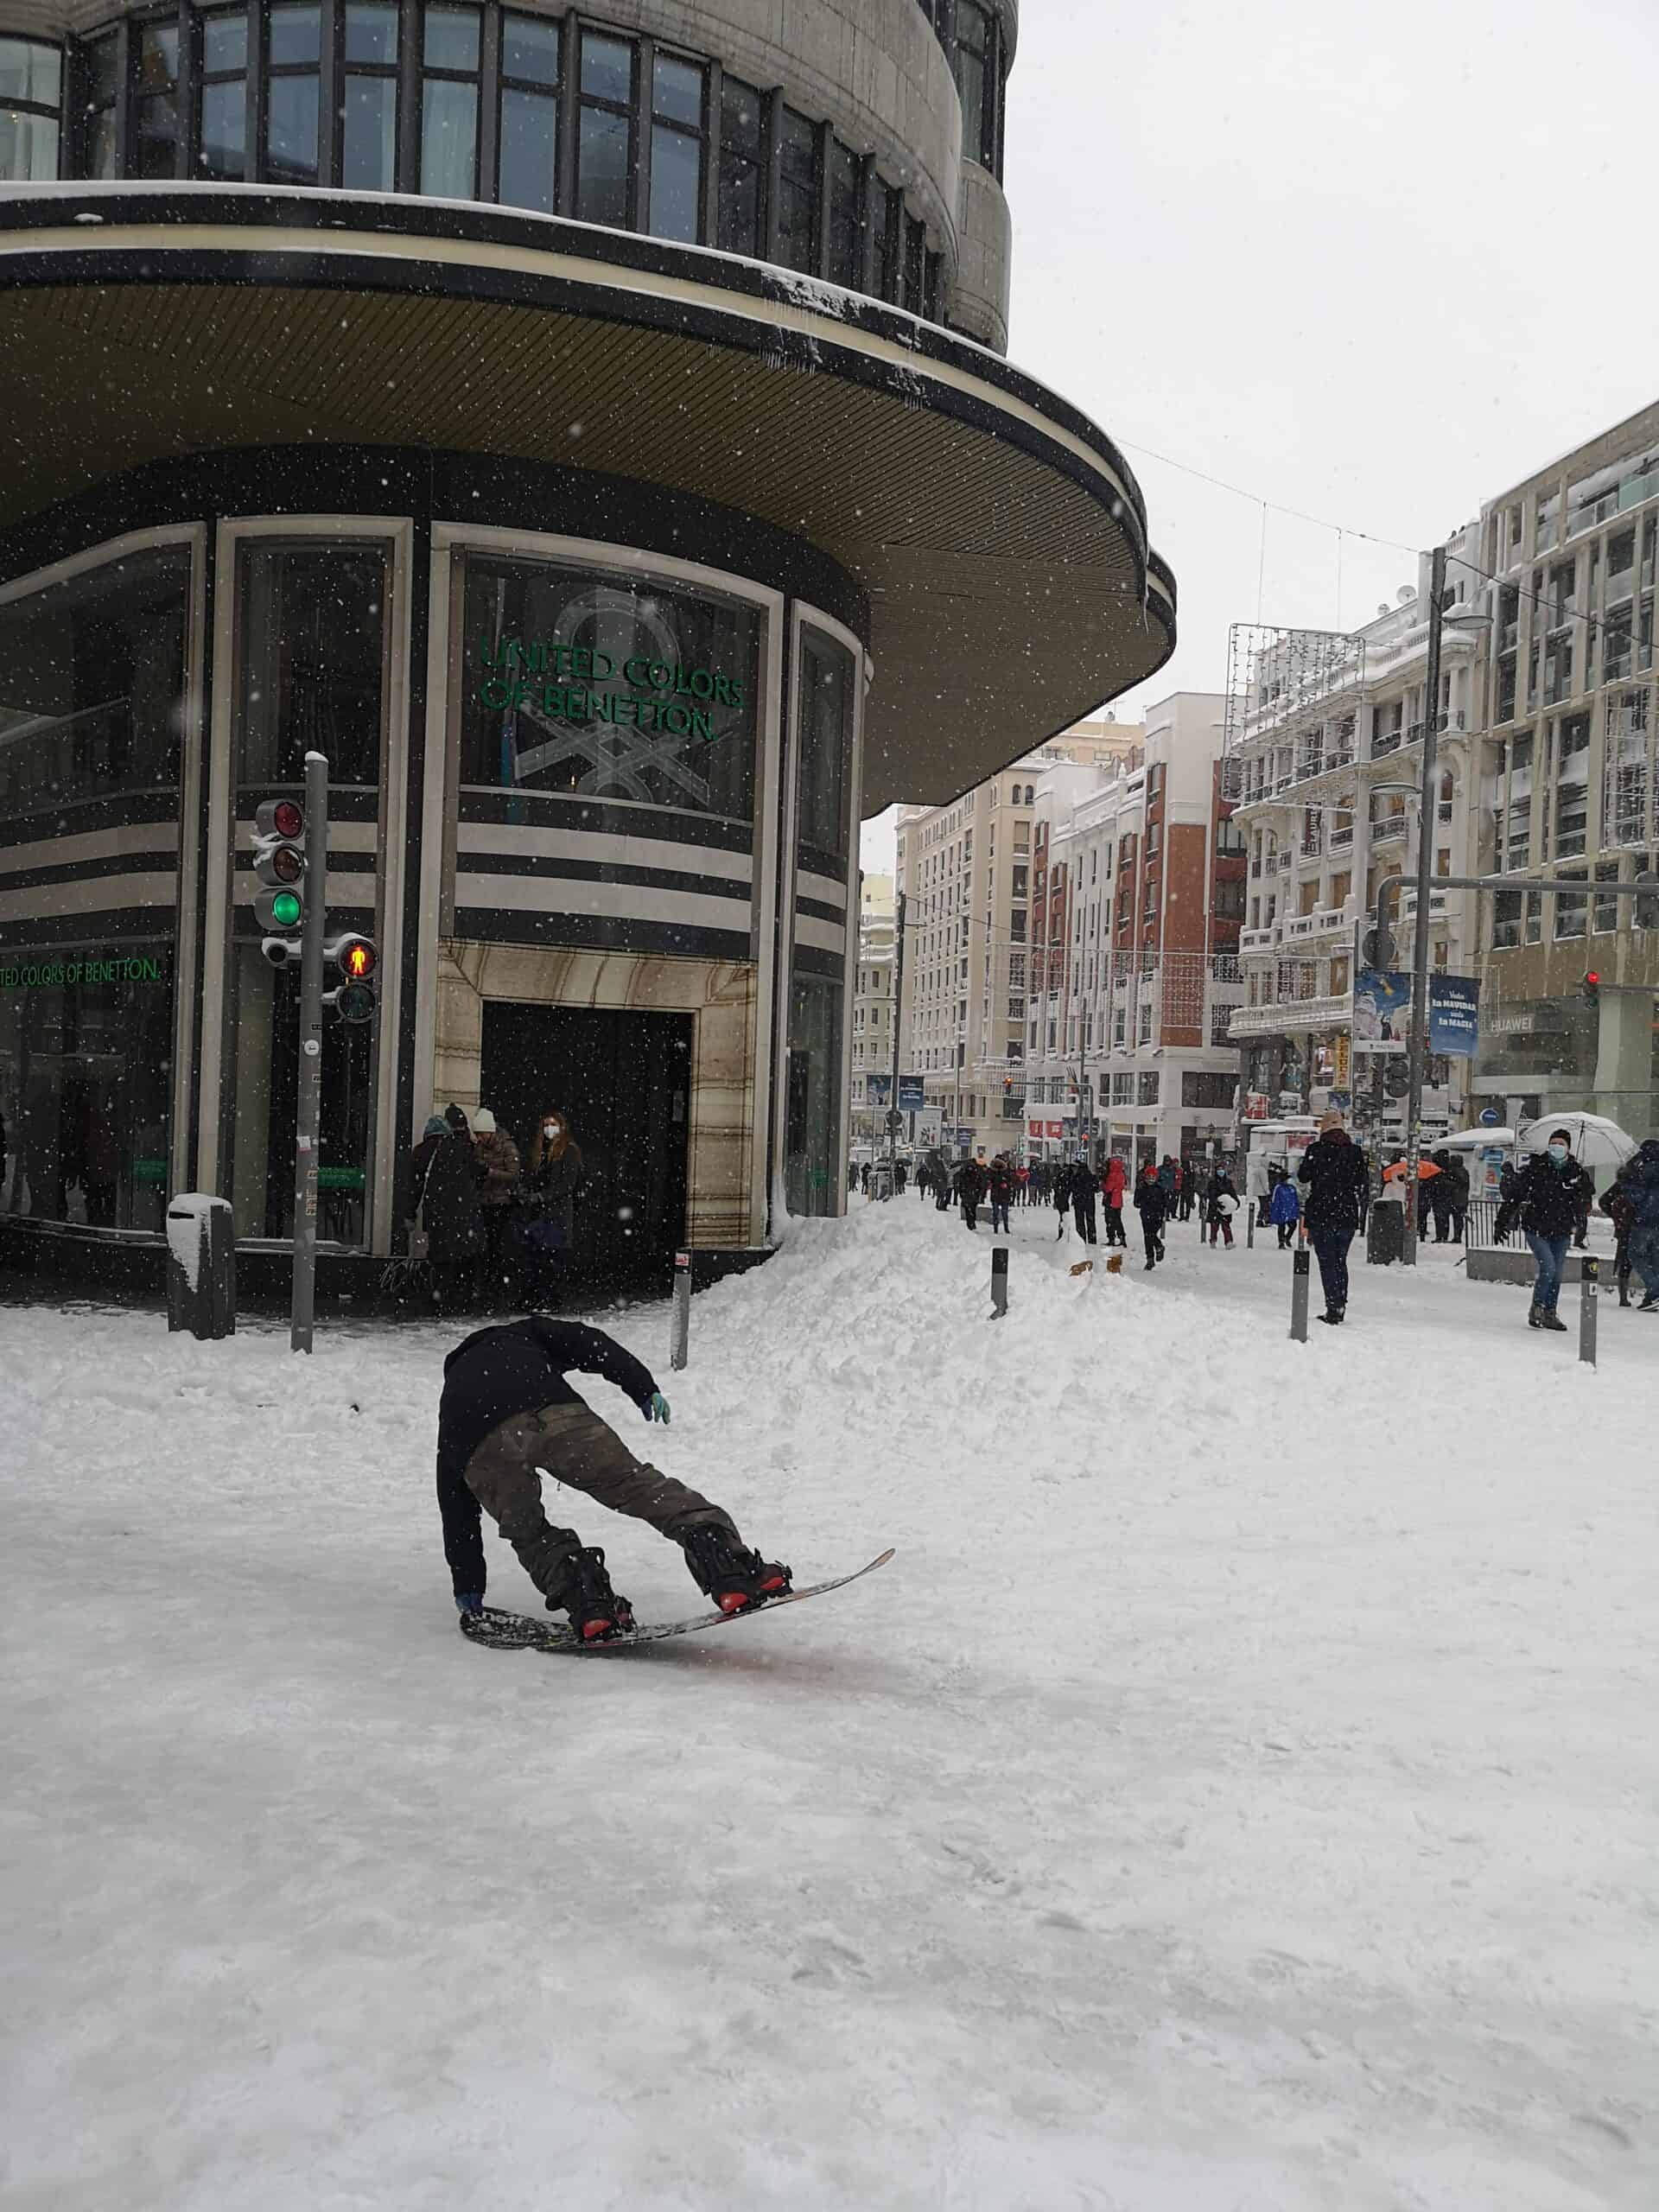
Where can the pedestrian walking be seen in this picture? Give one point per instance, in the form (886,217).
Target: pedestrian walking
(507,1413)
(1285,1210)
(446,1181)
(1553,1193)
(1113,1182)
(1167,1177)
(1000,1187)
(1084,1191)
(1451,1193)
(1151,1203)
(1220,1207)
(1637,1190)
(1619,1206)
(1333,1167)
(970,1191)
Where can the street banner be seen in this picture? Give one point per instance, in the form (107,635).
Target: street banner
(1382,1011)
(929,1129)
(878,1087)
(1453,1014)
(1343,1069)
(912,1094)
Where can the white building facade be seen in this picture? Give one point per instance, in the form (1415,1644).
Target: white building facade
(874,1013)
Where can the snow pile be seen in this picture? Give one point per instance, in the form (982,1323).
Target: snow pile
(1235,1797)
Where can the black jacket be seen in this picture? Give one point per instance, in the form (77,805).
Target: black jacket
(513,1369)
(446,1191)
(1551,1201)
(1152,1203)
(1333,1167)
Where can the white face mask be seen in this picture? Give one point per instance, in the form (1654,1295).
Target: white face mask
(1558,1153)
(552,1128)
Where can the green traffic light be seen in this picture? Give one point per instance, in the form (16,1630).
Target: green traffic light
(286,908)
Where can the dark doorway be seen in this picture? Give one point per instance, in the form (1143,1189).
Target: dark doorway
(624,1082)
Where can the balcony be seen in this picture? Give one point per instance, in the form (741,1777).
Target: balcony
(1332,1013)
(1389,830)
(1259,940)
(1340,840)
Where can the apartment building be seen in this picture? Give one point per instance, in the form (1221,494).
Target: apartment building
(1139,873)
(1569,784)
(965,871)
(1324,737)
(873,1011)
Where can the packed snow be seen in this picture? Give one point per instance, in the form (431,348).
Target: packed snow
(1237,1795)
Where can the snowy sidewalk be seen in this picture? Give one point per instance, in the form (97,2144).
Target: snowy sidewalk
(1236,1797)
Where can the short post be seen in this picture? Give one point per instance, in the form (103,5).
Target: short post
(680,1328)
(1250,1207)
(999,1282)
(1589,1277)
(1299,1290)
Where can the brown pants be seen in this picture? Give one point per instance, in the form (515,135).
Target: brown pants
(577,1448)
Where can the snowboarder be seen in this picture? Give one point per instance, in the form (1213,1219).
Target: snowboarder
(1150,1203)
(1333,1167)
(507,1412)
(1552,1193)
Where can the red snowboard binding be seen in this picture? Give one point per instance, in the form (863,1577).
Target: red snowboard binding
(723,1569)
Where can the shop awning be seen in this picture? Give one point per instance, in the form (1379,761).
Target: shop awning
(998,535)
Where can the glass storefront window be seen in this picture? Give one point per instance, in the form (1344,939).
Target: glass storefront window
(156,100)
(31,77)
(92,678)
(604,152)
(310,674)
(293,62)
(823,723)
(310,664)
(85,1081)
(741,209)
(609,686)
(676,150)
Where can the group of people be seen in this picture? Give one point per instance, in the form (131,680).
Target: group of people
(1165,1190)
(497,1226)
(1549,1200)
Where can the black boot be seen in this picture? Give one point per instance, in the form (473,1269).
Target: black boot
(1533,1322)
(1549,1319)
(723,1570)
(596,1611)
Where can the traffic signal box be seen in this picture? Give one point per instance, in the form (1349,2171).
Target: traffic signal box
(355,997)
(279,869)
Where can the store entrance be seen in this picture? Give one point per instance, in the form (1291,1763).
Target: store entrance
(623,1080)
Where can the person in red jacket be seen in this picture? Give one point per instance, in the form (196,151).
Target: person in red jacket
(1114,1180)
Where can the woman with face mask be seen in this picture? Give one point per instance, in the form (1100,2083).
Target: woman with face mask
(556,1176)
(1550,1194)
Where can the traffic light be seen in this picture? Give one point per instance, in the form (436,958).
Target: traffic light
(1590,989)
(1378,949)
(279,869)
(354,997)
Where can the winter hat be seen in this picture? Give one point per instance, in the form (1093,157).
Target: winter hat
(483,1122)
(436,1126)
(455,1116)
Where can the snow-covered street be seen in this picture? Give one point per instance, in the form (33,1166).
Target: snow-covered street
(1237,1794)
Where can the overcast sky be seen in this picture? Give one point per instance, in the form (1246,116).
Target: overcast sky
(1371,262)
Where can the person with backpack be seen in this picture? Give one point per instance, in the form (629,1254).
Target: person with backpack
(1551,1194)
(1285,1210)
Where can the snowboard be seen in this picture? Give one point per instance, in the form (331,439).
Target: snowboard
(500,1632)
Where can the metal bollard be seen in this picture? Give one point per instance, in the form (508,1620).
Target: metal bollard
(680,1328)
(1299,1290)
(1589,1277)
(999,1282)
(1250,1212)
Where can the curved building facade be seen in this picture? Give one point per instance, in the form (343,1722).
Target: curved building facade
(566,423)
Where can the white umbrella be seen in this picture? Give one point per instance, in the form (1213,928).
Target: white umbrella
(1597,1142)
(1473,1140)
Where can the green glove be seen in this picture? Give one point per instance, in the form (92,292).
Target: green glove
(657,1409)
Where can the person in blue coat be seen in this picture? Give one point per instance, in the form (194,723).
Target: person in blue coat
(1284,1211)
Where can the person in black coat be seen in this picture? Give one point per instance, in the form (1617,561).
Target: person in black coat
(507,1413)
(1333,1167)
(448,1178)
(1549,1197)
(1085,1193)
(1152,1203)
(970,1191)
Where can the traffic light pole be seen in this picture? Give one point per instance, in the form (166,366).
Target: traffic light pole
(309,1117)
(1427,821)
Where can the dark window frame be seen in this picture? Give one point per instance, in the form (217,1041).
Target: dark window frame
(204,81)
(601,103)
(505,81)
(58,115)
(445,73)
(344,70)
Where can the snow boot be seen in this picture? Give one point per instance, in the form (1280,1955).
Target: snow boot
(1533,1322)
(1624,1294)
(1549,1319)
(596,1611)
(1649,1304)
(1333,1317)
(734,1577)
